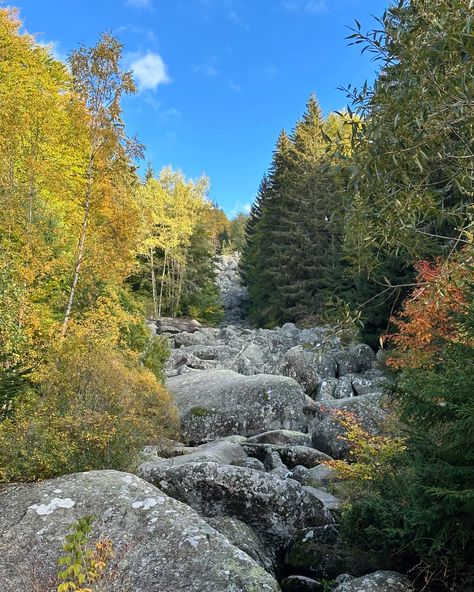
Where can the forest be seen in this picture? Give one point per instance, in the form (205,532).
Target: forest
(363,223)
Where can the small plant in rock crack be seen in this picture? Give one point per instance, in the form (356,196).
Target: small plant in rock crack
(84,562)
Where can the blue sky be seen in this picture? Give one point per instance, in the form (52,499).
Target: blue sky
(218,79)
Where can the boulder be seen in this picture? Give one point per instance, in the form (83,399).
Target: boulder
(300,364)
(223,452)
(272,461)
(251,463)
(300,474)
(290,455)
(188,339)
(326,431)
(272,506)
(173,326)
(281,437)
(326,389)
(358,359)
(250,361)
(245,538)
(379,581)
(344,388)
(321,476)
(218,403)
(316,552)
(301,584)
(364,356)
(331,502)
(159,544)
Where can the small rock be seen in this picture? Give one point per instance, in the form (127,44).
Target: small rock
(301,584)
(379,581)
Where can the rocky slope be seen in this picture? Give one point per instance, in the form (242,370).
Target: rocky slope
(233,293)
(243,503)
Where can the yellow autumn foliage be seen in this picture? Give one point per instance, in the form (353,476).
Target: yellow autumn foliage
(94,409)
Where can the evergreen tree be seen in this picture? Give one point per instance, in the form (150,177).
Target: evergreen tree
(294,231)
(200,297)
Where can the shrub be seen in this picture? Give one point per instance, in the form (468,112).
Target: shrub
(93,408)
(84,562)
(416,512)
(156,352)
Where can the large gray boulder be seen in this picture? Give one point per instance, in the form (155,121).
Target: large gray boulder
(291,456)
(359,358)
(160,544)
(272,506)
(222,451)
(217,403)
(282,437)
(247,539)
(308,366)
(379,581)
(174,326)
(327,432)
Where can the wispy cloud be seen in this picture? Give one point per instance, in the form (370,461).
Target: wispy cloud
(54,48)
(235,86)
(139,3)
(305,6)
(208,68)
(238,208)
(170,115)
(149,71)
(231,9)
(145,33)
(266,72)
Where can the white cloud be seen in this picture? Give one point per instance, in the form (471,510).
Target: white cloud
(305,6)
(246,208)
(235,87)
(139,3)
(149,71)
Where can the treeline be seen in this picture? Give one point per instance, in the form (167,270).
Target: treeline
(371,212)
(176,275)
(352,202)
(87,249)
(293,256)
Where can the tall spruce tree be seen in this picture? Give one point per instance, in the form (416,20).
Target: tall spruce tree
(262,262)
(294,233)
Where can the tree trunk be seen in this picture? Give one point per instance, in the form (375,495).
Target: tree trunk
(161,287)
(80,251)
(153,284)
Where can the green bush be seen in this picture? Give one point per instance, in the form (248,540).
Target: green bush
(94,408)
(157,351)
(418,513)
